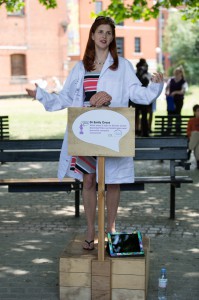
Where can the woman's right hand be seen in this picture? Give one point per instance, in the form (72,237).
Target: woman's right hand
(32,93)
(100,99)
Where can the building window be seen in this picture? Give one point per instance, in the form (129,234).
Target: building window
(137,44)
(120,46)
(98,7)
(120,24)
(18,67)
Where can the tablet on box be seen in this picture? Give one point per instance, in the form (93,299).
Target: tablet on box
(125,244)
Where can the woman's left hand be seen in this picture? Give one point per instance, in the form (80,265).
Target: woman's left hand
(157,77)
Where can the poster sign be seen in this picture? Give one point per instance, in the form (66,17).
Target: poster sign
(101,131)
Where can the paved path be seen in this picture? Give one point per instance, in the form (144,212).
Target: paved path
(35,228)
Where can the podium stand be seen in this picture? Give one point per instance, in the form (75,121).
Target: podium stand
(101,132)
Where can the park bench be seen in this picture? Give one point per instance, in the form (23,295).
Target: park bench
(170,149)
(162,127)
(4,128)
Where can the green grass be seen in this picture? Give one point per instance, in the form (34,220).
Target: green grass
(29,120)
(191,98)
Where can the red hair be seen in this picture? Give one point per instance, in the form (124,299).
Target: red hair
(89,54)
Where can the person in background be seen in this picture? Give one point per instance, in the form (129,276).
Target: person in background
(141,111)
(175,91)
(193,134)
(101,78)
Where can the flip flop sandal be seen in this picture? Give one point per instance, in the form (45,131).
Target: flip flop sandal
(89,245)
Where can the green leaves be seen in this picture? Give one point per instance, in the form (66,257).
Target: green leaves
(14,5)
(119,10)
(49,3)
(181,40)
(141,9)
(17,5)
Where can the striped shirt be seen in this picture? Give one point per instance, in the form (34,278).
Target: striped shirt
(90,86)
(86,164)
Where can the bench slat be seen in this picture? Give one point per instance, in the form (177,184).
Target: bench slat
(161,125)
(4,128)
(151,142)
(31,156)
(33,184)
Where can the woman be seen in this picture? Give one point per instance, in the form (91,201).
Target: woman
(101,77)
(175,90)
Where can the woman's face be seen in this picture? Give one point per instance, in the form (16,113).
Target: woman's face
(103,36)
(178,74)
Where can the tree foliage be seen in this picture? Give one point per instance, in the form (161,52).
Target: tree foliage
(16,5)
(121,9)
(143,9)
(181,40)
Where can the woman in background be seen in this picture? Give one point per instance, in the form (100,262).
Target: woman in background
(175,91)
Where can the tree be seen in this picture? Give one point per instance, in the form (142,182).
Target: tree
(121,10)
(181,40)
(15,5)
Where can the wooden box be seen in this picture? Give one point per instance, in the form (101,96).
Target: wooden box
(83,277)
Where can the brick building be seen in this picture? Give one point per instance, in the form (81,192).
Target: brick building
(41,45)
(33,45)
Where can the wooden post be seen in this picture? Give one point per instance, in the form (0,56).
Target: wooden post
(101,206)
(115,125)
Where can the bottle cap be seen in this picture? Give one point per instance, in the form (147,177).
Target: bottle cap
(163,270)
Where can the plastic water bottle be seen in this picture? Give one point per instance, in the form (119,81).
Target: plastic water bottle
(162,285)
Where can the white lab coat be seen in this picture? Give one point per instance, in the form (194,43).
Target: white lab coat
(122,85)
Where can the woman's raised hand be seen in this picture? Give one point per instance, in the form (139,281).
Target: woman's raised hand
(32,93)
(157,77)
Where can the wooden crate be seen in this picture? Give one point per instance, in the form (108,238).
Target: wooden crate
(83,277)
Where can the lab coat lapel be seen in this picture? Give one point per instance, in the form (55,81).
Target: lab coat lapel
(107,64)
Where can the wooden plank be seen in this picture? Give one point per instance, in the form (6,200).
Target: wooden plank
(72,265)
(127,281)
(146,243)
(147,271)
(30,156)
(101,279)
(75,279)
(38,180)
(151,142)
(75,250)
(101,207)
(100,283)
(71,293)
(101,268)
(133,266)
(158,142)
(124,294)
(140,154)
(31,144)
(125,186)
(101,295)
